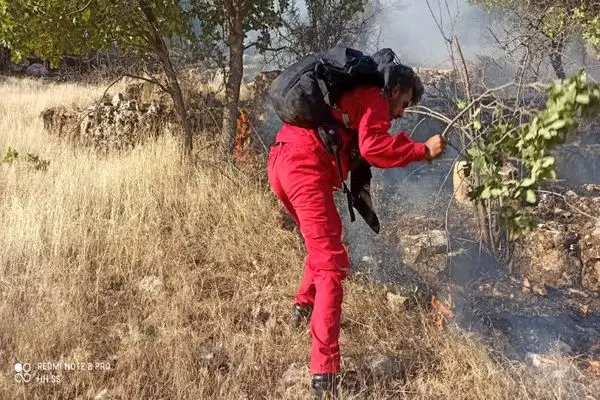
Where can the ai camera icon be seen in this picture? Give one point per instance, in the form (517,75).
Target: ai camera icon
(22,372)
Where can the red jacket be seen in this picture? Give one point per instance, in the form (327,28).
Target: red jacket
(369,113)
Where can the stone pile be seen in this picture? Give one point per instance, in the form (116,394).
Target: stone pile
(118,124)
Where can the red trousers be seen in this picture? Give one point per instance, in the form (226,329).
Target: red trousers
(302,177)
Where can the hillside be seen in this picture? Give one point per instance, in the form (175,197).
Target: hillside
(176,283)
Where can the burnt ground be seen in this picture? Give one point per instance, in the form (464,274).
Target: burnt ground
(511,317)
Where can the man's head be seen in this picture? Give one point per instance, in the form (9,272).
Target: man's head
(405,89)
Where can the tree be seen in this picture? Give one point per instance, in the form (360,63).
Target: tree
(224,29)
(328,23)
(507,142)
(545,26)
(54,28)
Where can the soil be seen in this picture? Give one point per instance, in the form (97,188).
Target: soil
(548,301)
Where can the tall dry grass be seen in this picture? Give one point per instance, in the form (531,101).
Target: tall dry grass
(182,279)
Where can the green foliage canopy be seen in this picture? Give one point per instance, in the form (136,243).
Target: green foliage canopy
(217,18)
(53,28)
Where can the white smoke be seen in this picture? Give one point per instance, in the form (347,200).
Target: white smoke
(409,28)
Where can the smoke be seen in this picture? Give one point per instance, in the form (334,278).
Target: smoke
(409,28)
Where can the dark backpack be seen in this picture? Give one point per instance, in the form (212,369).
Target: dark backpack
(305,93)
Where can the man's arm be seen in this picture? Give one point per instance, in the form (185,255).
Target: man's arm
(376,145)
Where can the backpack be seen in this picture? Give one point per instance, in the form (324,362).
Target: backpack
(305,93)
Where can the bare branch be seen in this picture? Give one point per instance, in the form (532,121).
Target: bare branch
(465,69)
(438,23)
(473,103)
(250,45)
(569,204)
(150,80)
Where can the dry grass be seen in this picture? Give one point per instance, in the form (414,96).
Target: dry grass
(79,238)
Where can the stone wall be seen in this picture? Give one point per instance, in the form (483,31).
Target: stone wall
(121,123)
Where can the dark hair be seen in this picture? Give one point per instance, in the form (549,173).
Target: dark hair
(402,76)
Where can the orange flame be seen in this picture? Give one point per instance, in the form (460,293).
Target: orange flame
(243,142)
(444,309)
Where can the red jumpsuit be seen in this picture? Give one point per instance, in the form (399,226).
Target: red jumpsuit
(303,175)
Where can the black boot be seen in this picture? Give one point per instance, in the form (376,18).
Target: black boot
(324,387)
(300,314)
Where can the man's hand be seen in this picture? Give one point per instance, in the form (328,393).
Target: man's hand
(435,146)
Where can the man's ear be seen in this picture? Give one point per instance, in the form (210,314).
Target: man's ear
(395,92)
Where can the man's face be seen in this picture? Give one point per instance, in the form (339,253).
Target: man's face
(399,101)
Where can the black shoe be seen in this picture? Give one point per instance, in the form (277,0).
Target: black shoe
(300,314)
(324,387)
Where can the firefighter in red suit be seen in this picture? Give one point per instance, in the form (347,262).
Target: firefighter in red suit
(303,176)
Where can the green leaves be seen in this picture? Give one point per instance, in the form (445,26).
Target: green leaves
(530,196)
(215,18)
(583,99)
(567,103)
(85,16)
(53,28)
(12,157)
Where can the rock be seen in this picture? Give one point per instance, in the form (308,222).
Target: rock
(526,283)
(104,394)
(456,253)
(562,347)
(382,366)
(540,290)
(509,171)
(151,284)
(110,126)
(213,358)
(294,375)
(419,247)
(117,99)
(534,359)
(395,301)
(591,276)
(130,105)
(460,183)
(570,193)
(37,70)
(61,122)
(564,252)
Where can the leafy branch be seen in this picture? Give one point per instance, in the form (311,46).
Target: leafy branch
(12,156)
(527,142)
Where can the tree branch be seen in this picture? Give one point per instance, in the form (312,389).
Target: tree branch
(569,204)
(275,49)
(250,45)
(85,7)
(149,80)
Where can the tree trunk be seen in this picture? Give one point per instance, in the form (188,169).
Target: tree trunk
(234,80)
(556,48)
(313,14)
(181,110)
(4,59)
(159,46)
